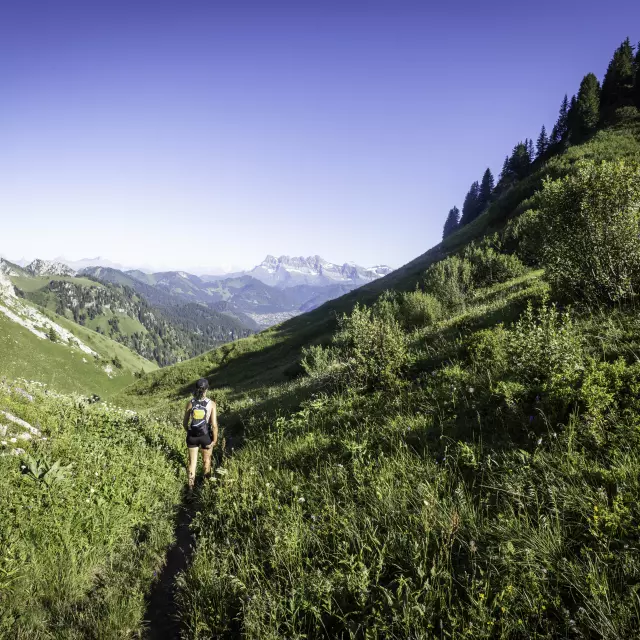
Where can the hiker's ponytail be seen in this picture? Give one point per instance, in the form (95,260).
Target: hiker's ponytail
(201,388)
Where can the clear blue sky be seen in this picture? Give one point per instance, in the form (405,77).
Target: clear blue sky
(208,134)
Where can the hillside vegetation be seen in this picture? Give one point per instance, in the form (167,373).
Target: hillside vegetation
(87,513)
(165,334)
(451,451)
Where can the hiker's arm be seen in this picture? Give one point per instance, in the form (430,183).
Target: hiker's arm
(214,423)
(187,416)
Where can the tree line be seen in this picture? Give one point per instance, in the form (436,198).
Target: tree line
(593,106)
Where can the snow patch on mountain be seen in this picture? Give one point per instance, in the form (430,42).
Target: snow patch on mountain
(287,271)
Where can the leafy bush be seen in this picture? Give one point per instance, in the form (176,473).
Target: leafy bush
(318,361)
(449,280)
(592,228)
(418,309)
(523,237)
(490,267)
(373,346)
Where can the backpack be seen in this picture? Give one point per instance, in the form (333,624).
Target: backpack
(198,425)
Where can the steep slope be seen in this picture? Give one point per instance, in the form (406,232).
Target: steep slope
(39,345)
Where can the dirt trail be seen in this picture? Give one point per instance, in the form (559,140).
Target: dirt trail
(161,616)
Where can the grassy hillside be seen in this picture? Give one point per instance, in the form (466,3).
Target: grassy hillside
(86,511)
(456,460)
(64,368)
(164,334)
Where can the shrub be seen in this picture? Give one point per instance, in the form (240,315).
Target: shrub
(449,280)
(490,267)
(544,348)
(523,237)
(419,309)
(318,361)
(373,346)
(592,226)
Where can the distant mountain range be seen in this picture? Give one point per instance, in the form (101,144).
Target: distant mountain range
(273,291)
(286,271)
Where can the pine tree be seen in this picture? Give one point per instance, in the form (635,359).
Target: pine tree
(470,205)
(617,86)
(486,189)
(555,135)
(543,143)
(505,174)
(586,113)
(571,118)
(562,125)
(530,150)
(451,223)
(636,87)
(520,160)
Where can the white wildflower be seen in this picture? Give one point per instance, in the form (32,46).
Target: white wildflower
(301,499)
(13,440)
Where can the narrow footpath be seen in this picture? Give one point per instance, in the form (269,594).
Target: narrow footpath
(161,616)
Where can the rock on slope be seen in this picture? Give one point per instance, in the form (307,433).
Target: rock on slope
(49,268)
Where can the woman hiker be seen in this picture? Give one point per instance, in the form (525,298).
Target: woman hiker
(201,425)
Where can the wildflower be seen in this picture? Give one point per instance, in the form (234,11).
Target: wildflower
(301,499)
(87,500)
(539,441)
(13,440)
(268,485)
(92,490)
(530,419)
(4,443)
(482,596)
(471,389)
(96,474)
(222,472)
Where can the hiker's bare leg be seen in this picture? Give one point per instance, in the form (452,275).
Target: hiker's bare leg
(206,461)
(191,467)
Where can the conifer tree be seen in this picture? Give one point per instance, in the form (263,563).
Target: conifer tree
(530,151)
(586,113)
(470,205)
(617,86)
(451,223)
(555,135)
(543,143)
(520,160)
(506,171)
(486,189)
(562,125)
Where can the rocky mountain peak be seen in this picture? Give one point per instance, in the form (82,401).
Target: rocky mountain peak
(49,268)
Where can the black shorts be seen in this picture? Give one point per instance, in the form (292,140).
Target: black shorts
(203,441)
